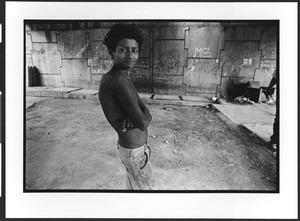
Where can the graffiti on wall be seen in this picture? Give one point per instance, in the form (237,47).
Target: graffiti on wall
(73,44)
(198,65)
(39,51)
(46,58)
(240,59)
(71,51)
(140,75)
(202,75)
(100,62)
(82,51)
(170,61)
(202,52)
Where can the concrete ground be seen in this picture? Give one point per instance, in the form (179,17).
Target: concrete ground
(258,118)
(70,145)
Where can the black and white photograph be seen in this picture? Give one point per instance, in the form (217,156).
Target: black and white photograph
(168,106)
(1,113)
(196,96)
(1,143)
(1,106)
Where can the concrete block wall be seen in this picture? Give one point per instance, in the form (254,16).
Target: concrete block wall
(169,60)
(177,58)
(249,55)
(203,74)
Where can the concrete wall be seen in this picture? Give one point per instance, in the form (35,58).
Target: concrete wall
(182,58)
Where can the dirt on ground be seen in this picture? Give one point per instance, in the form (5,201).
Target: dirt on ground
(70,145)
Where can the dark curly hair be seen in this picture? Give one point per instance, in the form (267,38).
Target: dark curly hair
(121,31)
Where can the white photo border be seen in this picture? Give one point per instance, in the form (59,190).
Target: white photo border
(158,205)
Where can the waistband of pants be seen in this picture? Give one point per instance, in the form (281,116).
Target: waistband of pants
(132,152)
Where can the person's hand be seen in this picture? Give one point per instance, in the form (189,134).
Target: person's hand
(126,123)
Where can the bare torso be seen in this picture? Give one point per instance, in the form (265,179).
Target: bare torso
(114,108)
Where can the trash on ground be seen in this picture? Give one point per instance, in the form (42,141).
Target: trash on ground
(243,99)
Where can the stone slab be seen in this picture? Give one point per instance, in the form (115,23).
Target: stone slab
(84,94)
(178,103)
(97,34)
(28,64)
(75,73)
(65,89)
(169,32)
(98,58)
(207,95)
(94,85)
(147,44)
(245,114)
(205,42)
(202,75)
(43,36)
(260,130)
(51,80)
(174,90)
(169,57)
(38,88)
(267,108)
(140,75)
(145,96)
(46,58)
(28,43)
(73,44)
(168,85)
(165,97)
(269,42)
(243,33)
(62,92)
(240,58)
(195,99)
(265,72)
(85,91)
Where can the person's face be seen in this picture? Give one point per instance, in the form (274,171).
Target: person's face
(126,53)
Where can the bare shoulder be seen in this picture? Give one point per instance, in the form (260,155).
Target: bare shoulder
(108,80)
(119,82)
(104,83)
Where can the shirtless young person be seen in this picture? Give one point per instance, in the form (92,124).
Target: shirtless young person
(124,109)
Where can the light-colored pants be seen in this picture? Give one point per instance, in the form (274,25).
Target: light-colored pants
(138,168)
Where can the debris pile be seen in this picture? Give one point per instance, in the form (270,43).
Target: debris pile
(242,99)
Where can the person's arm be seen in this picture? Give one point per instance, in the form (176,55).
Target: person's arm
(144,109)
(127,97)
(272,83)
(142,106)
(126,122)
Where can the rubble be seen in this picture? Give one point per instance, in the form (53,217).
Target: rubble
(243,99)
